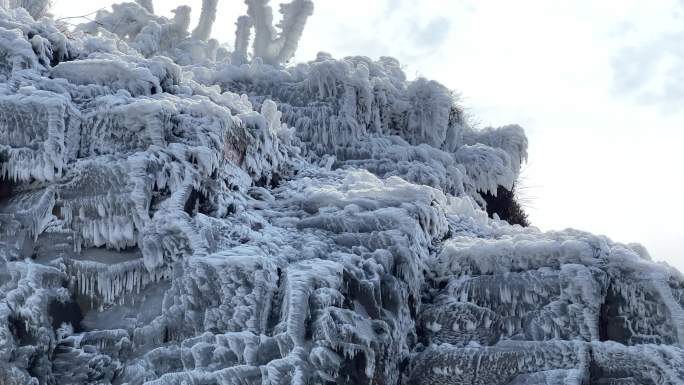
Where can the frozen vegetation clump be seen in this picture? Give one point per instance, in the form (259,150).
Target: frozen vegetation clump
(36,8)
(177,212)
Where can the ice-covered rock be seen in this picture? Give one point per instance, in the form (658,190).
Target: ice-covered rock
(174,212)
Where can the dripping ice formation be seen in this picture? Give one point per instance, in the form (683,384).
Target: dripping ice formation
(176,211)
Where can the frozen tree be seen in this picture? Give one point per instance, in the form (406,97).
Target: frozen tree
(181,19)
(271,46)
(207,18)
(242,34)
(36,8)
(136,22)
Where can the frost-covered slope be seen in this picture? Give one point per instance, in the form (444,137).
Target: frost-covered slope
(173,211)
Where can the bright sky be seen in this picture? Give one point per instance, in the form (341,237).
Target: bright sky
(598,85)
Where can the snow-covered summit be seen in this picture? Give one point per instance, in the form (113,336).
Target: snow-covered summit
(178,211)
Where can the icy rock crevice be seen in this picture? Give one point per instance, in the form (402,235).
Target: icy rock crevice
(217,218)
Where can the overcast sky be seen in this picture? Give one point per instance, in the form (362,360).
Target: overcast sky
(598,86)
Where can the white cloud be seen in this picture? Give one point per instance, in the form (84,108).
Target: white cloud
(434,34)
(651,71)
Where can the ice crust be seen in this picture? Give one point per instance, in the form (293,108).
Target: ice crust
(176,212)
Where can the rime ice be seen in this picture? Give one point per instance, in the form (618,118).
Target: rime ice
(177,211)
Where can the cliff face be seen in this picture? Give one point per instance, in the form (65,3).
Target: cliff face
(175,213)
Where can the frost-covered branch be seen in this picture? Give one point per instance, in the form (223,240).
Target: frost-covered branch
(273,47)
(207,18)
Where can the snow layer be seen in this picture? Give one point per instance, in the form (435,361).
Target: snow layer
(176,212)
